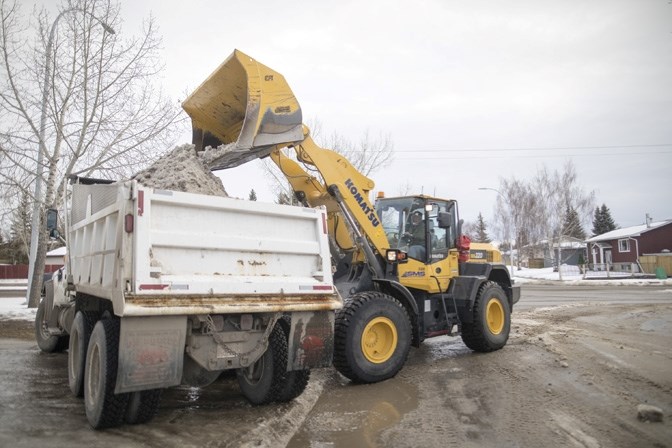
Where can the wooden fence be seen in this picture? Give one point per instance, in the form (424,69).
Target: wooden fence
(652,262)
(13,271)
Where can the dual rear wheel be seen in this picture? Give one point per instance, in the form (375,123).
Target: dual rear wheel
(104,408)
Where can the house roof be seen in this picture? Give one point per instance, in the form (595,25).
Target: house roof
(58,252)
(628,231)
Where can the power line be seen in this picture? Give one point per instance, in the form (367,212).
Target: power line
(533,156)
(557,148)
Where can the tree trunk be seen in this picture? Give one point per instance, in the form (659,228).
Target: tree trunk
(38,269)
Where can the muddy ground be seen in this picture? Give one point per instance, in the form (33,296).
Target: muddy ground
(570,376)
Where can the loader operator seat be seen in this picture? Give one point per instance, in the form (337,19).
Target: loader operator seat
(415,233)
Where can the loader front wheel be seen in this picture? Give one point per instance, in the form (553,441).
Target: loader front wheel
(104,408)
(489,330)
(372,337)
(80,333)
(262,381)
(47,342)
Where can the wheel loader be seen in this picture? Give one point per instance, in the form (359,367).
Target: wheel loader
(401,264)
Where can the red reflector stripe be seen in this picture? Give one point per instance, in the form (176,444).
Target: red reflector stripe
(128,223)
(322,288)
(141,202)
(153,287)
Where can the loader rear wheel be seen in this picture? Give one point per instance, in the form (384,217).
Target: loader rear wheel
(143,406)
(104,408)
(80,333)
(47,342)
(372,337)
(489,330)
(262,382)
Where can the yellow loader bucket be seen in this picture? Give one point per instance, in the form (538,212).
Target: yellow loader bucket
(245,105)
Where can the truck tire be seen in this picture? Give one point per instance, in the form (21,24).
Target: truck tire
(80,333)
(262,381)
(372,337)
(490,327)
(104,408)
(295,381)
(143,406)
(48,343)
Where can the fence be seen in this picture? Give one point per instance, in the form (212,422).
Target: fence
(13,271)
(650,263)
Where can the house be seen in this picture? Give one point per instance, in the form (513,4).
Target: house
(545,254)
(620,249)
(56,257)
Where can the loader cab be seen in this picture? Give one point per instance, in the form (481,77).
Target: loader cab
(423,227)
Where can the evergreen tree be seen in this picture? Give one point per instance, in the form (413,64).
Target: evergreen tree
(602,221)
(19,231)
(572,225)
(283,198)
(253,195)
(481,230)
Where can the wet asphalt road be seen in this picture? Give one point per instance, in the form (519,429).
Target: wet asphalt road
(36,407)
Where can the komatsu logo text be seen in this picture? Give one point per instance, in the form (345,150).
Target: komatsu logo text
(361,200)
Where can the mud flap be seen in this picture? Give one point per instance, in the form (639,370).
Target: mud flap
(311,340)
(151,352)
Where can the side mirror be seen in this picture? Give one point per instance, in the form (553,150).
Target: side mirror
(52,223)
(445,220)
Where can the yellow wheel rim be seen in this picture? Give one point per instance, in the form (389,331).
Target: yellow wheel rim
(379,340)
(494,316)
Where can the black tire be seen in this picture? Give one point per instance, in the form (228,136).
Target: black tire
(48,343)
(372,337)
(262,382)
(490,328)
(80,333)
(143,406)
(295,381)
(104,409)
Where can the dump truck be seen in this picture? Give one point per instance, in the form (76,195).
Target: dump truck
(401,264)
(163,288)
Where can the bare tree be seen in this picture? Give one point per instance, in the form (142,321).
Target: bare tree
(79,98)
(535,212)
(559,191)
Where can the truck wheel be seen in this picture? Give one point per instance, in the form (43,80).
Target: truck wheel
(295,381)
(104,409)
(143,406)
(79,342)
(489,330)
(47,342)
(262,381)
(372,337)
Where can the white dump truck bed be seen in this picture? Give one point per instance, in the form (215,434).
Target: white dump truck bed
(158,252)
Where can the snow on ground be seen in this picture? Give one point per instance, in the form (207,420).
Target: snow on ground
(15,308)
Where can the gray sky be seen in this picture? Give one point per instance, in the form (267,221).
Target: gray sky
(449,79)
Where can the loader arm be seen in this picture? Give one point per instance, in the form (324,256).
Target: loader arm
(313,193)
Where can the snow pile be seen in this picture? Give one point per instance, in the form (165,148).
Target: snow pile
(182,169)
(16,308)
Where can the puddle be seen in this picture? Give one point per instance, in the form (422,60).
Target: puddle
(356,414)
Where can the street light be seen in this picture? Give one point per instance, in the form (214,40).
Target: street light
(510,212)
(35,231)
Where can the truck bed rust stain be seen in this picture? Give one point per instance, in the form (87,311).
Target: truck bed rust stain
(279,302)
